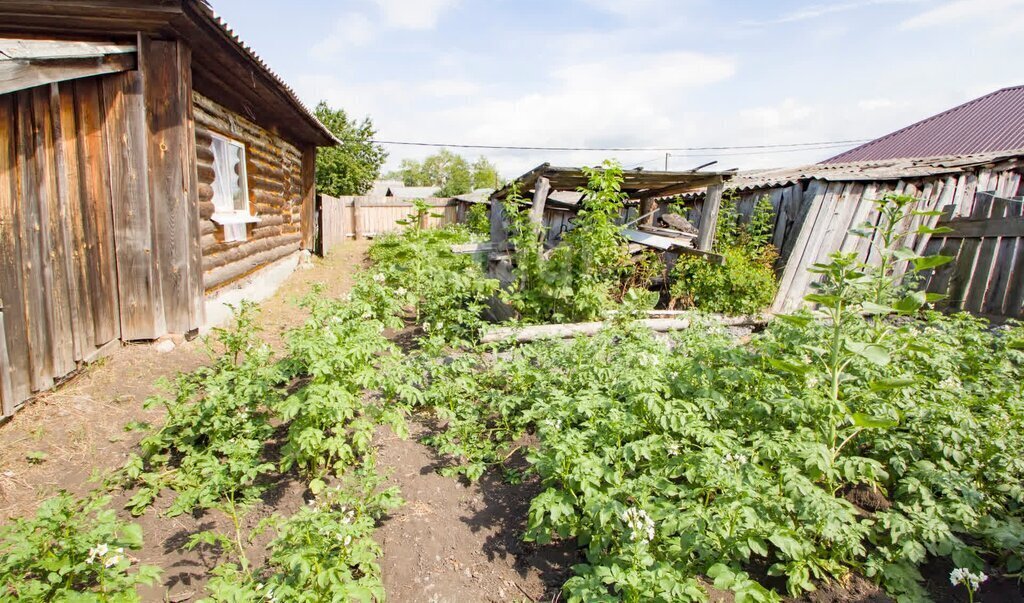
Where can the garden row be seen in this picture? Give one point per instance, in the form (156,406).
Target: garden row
(869,436)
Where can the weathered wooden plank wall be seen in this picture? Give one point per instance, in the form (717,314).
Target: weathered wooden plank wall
(57,267)
(987,275)
(278,184)
(99,217)
(375,215)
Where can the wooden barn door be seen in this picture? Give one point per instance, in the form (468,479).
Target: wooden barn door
(58,283)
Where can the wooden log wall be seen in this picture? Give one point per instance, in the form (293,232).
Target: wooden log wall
(278,186)
(375,215)
(988,273)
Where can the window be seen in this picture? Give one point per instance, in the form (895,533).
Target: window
(230,189)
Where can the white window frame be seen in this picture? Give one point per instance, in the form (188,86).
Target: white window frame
(234,220)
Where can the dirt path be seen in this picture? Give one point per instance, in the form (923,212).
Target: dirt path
(457,542)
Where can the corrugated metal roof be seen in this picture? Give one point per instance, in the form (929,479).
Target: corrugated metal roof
(994,122)
(874,171)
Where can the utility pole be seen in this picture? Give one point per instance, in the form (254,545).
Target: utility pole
(666,161)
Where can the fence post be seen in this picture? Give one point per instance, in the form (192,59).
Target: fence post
(357,217)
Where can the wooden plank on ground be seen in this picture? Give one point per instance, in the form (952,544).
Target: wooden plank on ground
(97,242)
(12,289)
(141,309)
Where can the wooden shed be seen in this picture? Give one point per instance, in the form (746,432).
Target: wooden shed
(981,195)
(148,159)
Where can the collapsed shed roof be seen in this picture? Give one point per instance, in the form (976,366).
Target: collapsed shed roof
(637,184)
(224,67)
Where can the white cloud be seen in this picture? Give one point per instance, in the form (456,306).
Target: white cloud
(350,30)
(414,14)
(956,12)
(814,11)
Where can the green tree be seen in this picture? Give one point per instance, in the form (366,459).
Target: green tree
(451,173)
(485,174)
(351,167)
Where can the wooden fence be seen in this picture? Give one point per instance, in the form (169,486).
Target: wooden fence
(986,276)
(343,218)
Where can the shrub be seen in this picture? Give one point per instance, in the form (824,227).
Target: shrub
(742,286)
(746,283)
(478,219)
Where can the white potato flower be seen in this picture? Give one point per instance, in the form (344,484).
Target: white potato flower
(640,524)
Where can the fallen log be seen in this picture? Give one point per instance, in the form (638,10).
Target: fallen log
(526,334)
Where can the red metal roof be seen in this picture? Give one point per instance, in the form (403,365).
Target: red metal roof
(994,122)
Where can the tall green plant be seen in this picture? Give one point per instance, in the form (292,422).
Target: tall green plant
(577,279)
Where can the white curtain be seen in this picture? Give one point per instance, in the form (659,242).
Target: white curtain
(225,182)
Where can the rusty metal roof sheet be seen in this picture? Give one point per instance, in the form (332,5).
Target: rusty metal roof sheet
(994,122)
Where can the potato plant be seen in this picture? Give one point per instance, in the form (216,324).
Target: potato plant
(72,550)
(865,436)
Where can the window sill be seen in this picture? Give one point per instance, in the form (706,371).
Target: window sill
(239,218)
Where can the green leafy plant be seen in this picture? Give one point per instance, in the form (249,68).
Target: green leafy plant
(210,449)
(577,279)
(478,219)
(745,283)
(72,550)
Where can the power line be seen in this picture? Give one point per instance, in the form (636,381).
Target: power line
(830,143)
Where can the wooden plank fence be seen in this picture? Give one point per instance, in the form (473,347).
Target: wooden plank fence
(983,208)
(356,217)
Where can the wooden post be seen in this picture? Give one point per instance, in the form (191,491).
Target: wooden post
(308,196)
(498,234)
(540,197)
(709,217)
(357,217)
(647,211)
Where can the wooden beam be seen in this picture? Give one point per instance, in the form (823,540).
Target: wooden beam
(540,196)
(34,49)
(709,217)
(970,228)
(21,74)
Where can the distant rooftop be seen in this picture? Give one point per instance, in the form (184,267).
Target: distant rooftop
(994,122)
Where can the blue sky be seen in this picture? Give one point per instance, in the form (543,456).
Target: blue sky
(636,73)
